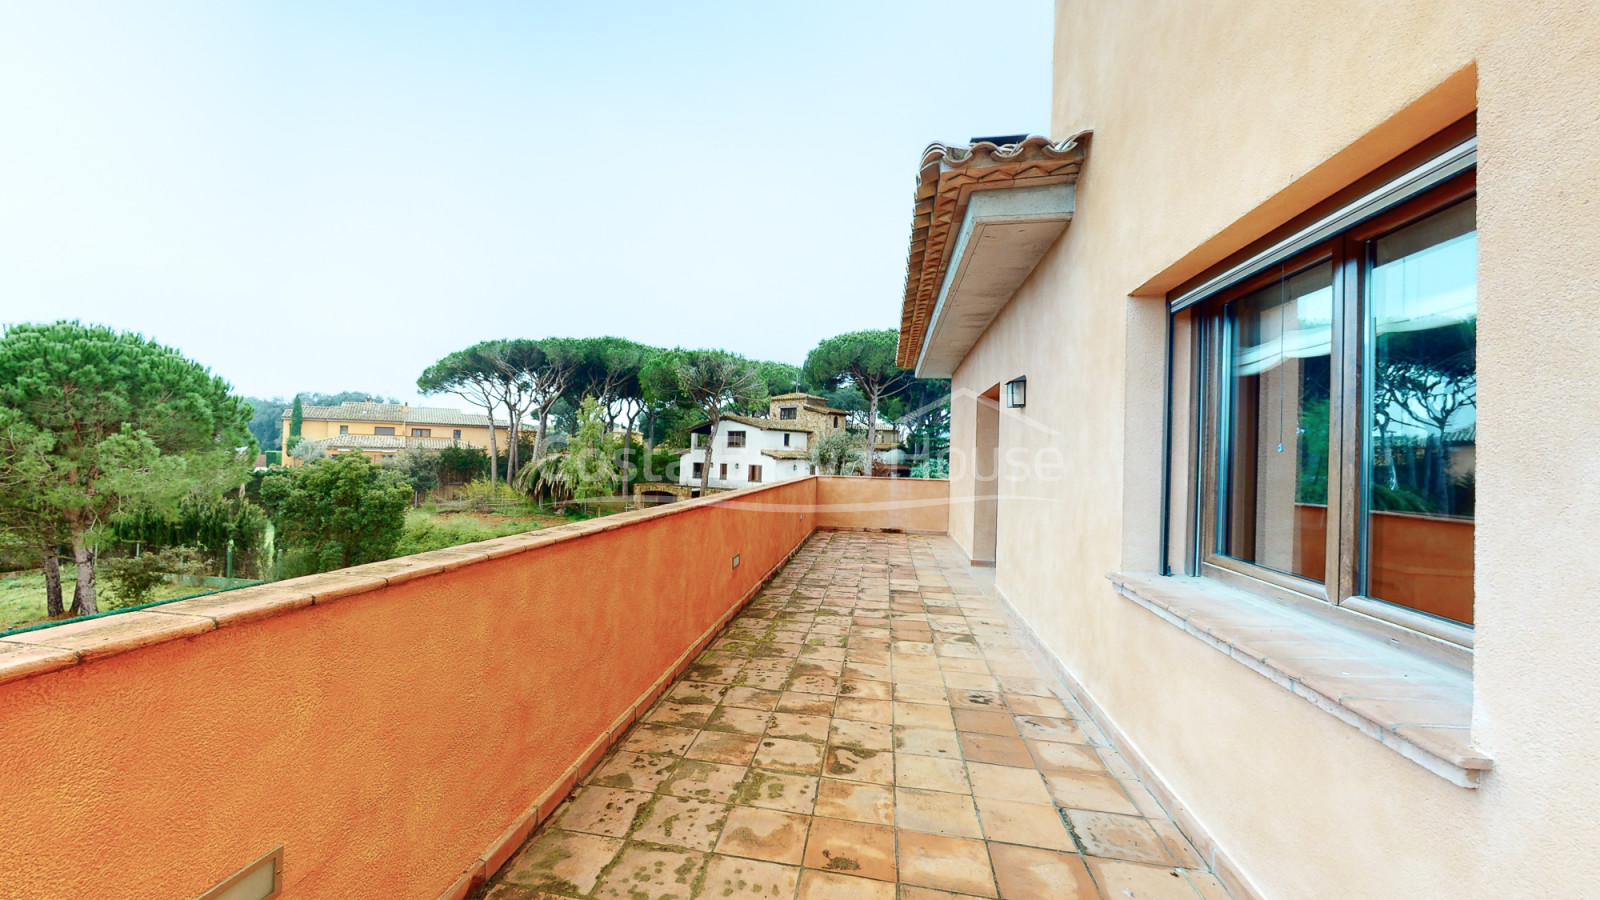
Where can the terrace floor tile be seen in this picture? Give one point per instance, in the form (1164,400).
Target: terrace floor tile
(650,873)
(867,727)
(857,802)
(732,878)
(765,834)
(851,848)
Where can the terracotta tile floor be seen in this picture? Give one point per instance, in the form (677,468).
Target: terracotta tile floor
(867,728)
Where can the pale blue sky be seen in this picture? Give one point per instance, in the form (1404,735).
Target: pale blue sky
(329,196)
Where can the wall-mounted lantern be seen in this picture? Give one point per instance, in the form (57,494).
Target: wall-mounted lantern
(1017,393)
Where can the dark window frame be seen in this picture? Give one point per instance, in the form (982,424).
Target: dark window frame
(740,442)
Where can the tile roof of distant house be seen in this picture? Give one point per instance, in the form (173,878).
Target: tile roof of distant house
(366,411)
(786,454)
(946,180)
(754,422)
(821,404)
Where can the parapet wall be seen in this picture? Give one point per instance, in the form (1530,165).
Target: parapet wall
(883,504)
(399,727)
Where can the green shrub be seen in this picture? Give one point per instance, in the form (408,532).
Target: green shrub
(660,465)
(135,578)
(417,467)
(18,554)
(345,510)
(430,532)
(839,453)
(481,496)
(295,563)
(425,533)
(206,524)
(458,464)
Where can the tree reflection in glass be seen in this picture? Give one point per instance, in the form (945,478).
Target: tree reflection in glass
(1422,305)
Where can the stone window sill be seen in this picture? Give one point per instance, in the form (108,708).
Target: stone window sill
(1420,708)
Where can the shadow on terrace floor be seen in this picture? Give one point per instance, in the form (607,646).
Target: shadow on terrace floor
(867,728)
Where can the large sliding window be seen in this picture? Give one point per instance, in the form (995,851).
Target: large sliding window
(1337,393)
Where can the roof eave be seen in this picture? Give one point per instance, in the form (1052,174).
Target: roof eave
(947,181)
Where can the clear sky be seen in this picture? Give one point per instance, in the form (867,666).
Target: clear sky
(330,196)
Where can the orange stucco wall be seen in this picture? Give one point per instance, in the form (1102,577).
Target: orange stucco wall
(907,504)
(386,738)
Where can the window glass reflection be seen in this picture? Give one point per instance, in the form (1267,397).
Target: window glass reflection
(1276,496)
(1421,410)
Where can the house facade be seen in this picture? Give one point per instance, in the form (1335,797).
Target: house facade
(748,450)
(775,447)
(806,411)
(380,430)
(813,413)
(1216,346)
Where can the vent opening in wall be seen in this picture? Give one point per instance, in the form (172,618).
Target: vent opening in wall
(736,560)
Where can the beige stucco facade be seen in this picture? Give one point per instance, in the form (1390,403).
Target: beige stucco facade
(395,427)
(1213,124)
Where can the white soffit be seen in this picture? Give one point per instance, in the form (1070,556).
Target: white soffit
(1003,235)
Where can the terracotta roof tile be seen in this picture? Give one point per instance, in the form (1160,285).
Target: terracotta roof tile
(754,422)
(946,180)
(362,411)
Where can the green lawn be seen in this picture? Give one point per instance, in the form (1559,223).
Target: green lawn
(22,595)
(434,528)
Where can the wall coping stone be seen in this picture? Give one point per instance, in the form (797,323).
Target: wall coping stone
(41,651)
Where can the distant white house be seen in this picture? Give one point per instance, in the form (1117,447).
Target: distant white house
(763,449)
(748,450)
